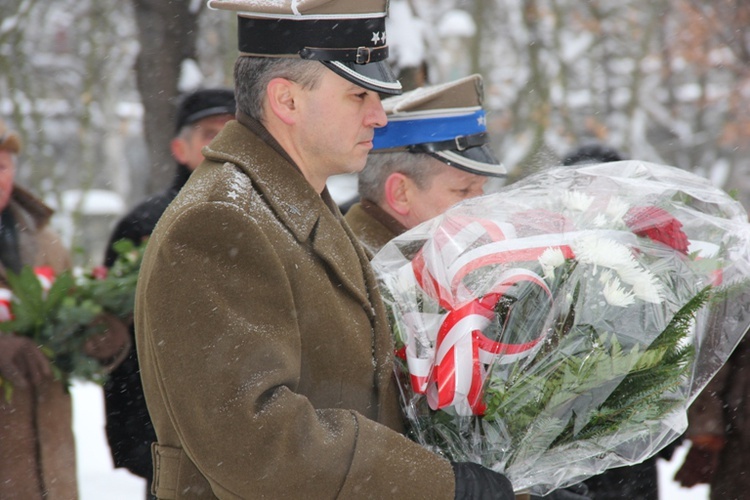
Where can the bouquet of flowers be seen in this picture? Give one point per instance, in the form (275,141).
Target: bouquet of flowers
(563,325)
(40,305)
(58,311)
(114,288)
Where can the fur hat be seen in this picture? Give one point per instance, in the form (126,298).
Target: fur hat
(9,140)
(202,104)
(348,36)
(446,121)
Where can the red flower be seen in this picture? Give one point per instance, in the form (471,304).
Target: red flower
(99,272)
(659,225)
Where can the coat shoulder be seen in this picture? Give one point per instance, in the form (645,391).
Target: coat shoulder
(214,183)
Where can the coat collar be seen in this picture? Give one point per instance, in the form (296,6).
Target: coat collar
(302,210)
(384,218)
(31,215)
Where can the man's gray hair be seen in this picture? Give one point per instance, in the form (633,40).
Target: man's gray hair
(252,75)
(371,180)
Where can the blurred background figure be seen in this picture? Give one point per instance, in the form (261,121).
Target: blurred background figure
(719,431)
(592,152)
(432,154)
(640,481)
(37,447)
(200,116)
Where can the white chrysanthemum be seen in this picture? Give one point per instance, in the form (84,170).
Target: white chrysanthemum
(648,290)
(600,221)
(605,252)
(617,208)
(612,255)
(576,200)
(616,295)
(551,259)
(605,276)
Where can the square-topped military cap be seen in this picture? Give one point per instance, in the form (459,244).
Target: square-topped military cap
(348,36)
(446,121)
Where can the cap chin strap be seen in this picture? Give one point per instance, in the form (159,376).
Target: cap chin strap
(459,143)
(358,55)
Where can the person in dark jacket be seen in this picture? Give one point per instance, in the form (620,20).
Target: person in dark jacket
(200,116)
(719,431)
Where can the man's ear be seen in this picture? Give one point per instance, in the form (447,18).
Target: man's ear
(178,147)
(281,94)
(397,187)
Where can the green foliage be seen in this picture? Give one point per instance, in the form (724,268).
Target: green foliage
(61,320)
(588,388)
(57,321)
(115,293)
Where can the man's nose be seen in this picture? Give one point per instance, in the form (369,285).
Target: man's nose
(376,114)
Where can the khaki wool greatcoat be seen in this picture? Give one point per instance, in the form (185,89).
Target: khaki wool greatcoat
(37,447)
(265,355)
(372,225)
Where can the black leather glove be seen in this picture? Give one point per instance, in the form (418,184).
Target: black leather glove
(474,482)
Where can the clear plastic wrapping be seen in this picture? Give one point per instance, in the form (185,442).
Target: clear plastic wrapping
(563,325)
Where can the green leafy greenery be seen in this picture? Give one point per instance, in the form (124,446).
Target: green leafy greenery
(61,320)
(591,389)
(115,292)
(57,321)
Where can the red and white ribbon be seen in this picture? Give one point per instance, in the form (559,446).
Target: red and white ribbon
(46,276)
(5,304)
(454,372)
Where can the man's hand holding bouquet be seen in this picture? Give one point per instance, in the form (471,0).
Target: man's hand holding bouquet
(562,326)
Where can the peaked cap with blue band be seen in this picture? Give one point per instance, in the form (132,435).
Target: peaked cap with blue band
(348,36)
(446,121)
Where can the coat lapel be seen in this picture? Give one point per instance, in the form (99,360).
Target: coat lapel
(314,219)
(295,203)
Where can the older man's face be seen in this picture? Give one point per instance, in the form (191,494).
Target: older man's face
(7,175)
(446,188)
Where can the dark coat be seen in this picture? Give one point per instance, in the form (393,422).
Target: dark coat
(265,355)
(37,448)
(128,425)
(372,225)
(723,409)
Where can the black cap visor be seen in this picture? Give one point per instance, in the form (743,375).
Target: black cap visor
(477,160)
(375,76)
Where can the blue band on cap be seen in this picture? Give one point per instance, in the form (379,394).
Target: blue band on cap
(399,133)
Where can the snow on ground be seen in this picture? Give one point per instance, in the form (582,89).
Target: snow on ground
(98,480)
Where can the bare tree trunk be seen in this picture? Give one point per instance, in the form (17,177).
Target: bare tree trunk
(167,32)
